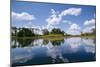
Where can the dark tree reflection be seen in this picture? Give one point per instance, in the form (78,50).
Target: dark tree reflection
(45,42)
(21,42)
(24,42)
(57,42)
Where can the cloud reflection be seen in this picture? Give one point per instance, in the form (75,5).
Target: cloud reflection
(89,45)
(55,53)
(74,43)
(22,55)
(55,50)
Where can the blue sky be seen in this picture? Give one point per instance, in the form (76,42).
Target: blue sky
(67,17)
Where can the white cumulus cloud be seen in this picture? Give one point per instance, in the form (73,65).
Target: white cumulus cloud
(74,29)
(55,18)
(71,11)
(22,19)
(89,22)
(89,25)
(88,29)
(22,16)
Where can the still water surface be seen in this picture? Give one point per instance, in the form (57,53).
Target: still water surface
(41,51)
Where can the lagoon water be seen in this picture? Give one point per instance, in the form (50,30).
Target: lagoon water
(41,51)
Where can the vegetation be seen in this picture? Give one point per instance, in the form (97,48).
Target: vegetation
(54,33)
(25,33)
(45,32)
(89,34)
(57,31)
(15,30)
(25,36)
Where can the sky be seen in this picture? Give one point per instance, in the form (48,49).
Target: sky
(73,19)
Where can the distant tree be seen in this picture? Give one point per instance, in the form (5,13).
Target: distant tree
(89,33)
(24,32)
(15,31)
(94,31)
(45,31)
(57,31)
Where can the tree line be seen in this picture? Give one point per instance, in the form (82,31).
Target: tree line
(25,32)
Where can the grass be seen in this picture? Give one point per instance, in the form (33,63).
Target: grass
(53,37)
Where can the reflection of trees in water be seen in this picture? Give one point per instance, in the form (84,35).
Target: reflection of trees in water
(53,42)
(14,43)
(34,42)
(57,42)
(21,42)
(25,42)
(54,48)
(45,42)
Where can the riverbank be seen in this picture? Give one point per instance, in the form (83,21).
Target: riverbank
(52,37)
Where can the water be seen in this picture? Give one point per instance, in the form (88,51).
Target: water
(41,51)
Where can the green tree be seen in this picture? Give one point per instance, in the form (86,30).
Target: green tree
(94,31)
(24,32)
(57,31)
(15,31)
(45,32)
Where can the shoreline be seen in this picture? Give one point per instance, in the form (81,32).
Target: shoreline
(49,37)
